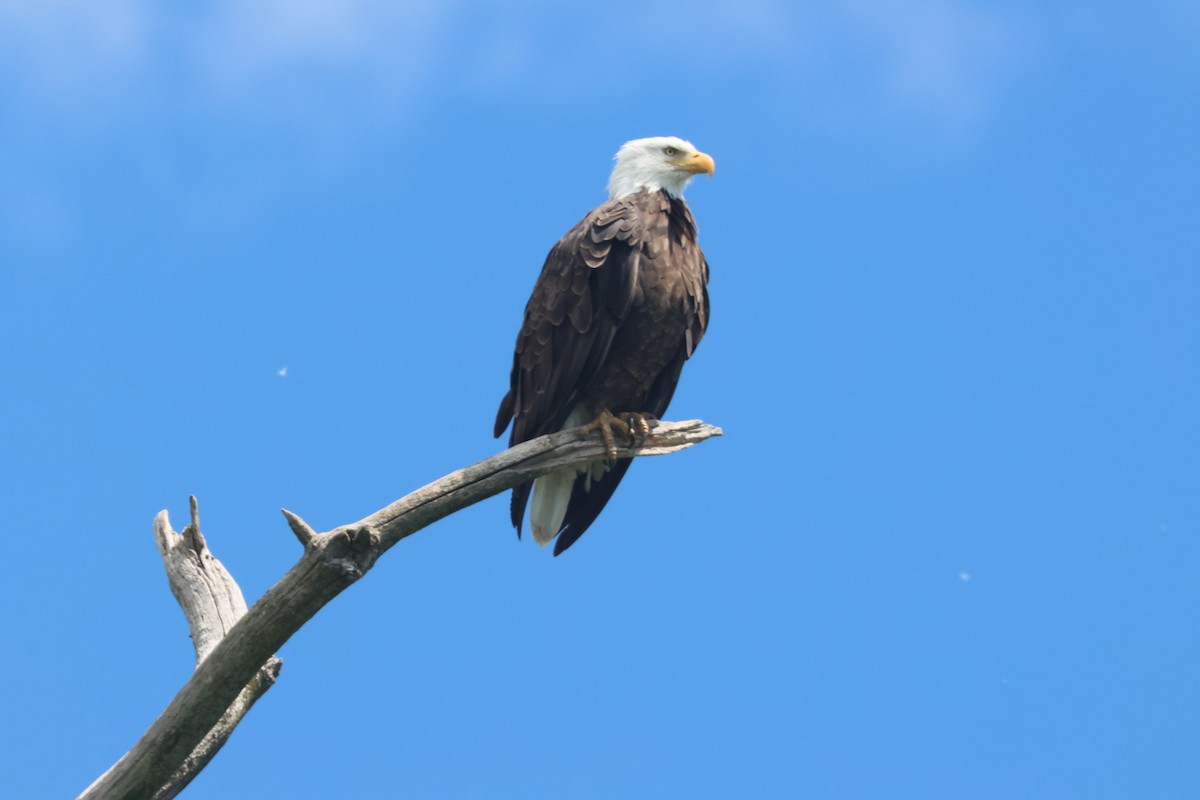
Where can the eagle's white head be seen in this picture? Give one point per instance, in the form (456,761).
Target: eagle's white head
(660,162)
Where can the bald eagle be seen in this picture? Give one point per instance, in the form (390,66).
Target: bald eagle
(620,304)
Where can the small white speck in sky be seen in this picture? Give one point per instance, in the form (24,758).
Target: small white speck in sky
(282,371)
(965,577)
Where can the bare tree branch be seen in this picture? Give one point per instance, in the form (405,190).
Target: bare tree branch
(212,602)
(210,598)
(240,661)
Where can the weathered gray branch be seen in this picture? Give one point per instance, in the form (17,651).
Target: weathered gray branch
(331,562)
(212,602)
(210,598)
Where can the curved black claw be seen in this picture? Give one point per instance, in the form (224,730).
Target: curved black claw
(639,427)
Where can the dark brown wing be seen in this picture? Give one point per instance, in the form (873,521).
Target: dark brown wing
(586,504)
(695,277)
(582,294)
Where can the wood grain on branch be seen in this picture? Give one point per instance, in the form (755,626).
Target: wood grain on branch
(331,562)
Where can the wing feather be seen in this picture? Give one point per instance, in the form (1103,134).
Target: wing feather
(583,292)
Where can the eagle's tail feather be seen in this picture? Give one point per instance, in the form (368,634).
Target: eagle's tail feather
(551,494)
(566,502)
(587,501)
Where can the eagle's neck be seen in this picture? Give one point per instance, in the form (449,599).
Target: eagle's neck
(632,176)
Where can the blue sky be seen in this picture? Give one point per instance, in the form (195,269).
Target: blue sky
(275,254)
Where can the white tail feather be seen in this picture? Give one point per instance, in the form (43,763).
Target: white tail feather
(551,494)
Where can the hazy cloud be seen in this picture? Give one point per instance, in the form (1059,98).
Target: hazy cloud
(82,59)
(941,57)
(950,59)
(242,47)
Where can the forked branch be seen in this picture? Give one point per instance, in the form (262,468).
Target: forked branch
(235,663)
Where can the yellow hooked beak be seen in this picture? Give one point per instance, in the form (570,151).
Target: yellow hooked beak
(697,163)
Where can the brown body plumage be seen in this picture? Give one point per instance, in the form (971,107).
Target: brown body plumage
(620,304)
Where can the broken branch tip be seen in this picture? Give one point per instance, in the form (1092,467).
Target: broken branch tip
(302,529)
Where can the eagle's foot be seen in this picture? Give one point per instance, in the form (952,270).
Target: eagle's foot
(606,422)
(632,427)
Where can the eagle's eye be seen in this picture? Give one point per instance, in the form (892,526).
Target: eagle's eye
(670,151)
